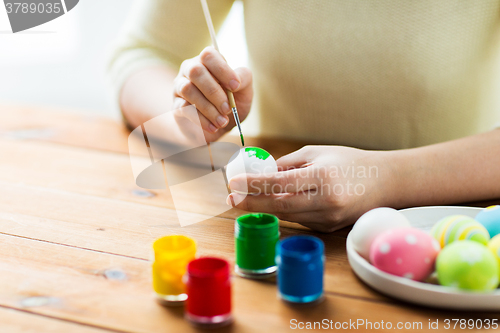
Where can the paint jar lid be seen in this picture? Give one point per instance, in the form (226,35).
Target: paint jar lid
(208,268)
(173,247)
(208,287)
(299,250)
(256,225)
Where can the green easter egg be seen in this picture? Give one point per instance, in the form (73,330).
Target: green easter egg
(459,227)
(494,247)
(467,265)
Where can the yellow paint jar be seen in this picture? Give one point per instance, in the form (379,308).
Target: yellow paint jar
(171,257)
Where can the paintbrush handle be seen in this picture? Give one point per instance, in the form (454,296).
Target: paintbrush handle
(229,93)
(230,96)
(210,25)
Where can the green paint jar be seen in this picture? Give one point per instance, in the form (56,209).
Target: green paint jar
(255,241)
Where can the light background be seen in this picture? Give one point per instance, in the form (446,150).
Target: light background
(62,63)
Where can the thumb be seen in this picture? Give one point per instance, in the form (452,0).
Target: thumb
(245,76)
(294,160)
(244,94)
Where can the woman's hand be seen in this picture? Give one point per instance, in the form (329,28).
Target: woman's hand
(202,81)
(321,187)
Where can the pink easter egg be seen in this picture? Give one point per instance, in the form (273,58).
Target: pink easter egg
(407,252)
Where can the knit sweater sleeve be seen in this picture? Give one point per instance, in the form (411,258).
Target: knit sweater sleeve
(162,32)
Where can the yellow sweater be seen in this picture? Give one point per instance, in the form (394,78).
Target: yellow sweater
(380,74)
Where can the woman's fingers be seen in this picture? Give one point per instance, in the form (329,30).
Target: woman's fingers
(290,181)
(297,207)
(289,203)
(207,83)
(219,68)
(188,91)
(203,80)
(180,103)
(244,94)
(297,159)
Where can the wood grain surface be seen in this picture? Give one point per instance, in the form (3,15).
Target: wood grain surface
(76,235)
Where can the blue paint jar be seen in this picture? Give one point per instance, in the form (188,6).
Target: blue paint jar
(301,263)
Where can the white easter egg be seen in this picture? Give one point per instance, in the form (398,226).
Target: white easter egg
(252,160)
(373,223)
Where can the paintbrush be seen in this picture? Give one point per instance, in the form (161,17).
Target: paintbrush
(229,93)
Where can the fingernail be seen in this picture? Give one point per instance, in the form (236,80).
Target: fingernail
(222,121)
(229,201)
(237,185)
(236,199)
(233,84)
(225,108)
(212,128)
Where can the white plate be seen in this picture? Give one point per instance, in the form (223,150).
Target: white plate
(419,292)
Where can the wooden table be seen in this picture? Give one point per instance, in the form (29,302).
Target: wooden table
(76,234)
